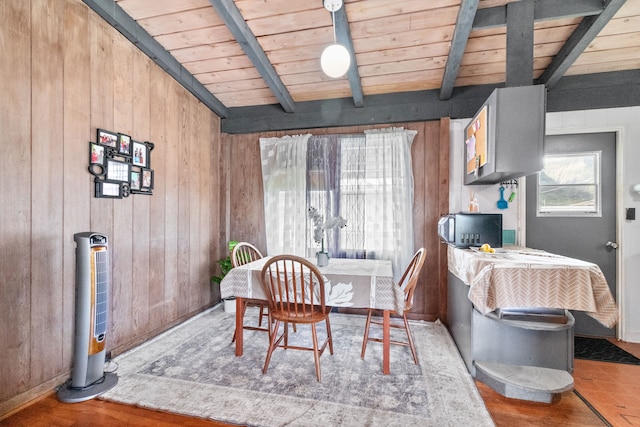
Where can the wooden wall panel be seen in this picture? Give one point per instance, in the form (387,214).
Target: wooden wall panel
(431,188)
(65,73)
(76,184)
(140,223)
(46,191)
(158,116)
(122,236)
(15,197)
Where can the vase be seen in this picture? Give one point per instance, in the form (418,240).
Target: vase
(322,258)
(229,305)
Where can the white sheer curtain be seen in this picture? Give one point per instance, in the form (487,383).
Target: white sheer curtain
(284,179)
(389,206)
(366,179)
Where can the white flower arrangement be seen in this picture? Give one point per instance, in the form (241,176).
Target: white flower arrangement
(319,227)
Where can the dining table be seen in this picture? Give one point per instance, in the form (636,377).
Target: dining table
(353,283)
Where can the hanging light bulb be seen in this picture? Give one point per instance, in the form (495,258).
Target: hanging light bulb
(335,59)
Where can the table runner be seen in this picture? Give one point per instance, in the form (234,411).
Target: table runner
(523,277)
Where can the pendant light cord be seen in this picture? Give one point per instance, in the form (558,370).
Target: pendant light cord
(333,18)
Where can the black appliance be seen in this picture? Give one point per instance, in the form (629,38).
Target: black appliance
(471,229)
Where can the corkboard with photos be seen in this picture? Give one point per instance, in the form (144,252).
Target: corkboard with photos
(121,166)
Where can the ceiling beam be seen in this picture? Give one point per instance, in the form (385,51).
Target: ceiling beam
(343,36)
(519,67)
(584,92)
(579,40)
(230,14)
(116,16)
(544,10)
(466,14)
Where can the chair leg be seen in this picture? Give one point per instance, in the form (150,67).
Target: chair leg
(316,353)
(329,336)
(413,348)
(260,316)
(272,345)
(366,335)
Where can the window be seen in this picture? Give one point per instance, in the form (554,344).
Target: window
(364,178)
(569,185)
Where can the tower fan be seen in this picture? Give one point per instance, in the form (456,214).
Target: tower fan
(88,378)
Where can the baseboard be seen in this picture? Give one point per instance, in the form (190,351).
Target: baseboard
(19,402)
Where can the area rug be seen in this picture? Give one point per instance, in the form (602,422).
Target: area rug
(602,350)
(192,369)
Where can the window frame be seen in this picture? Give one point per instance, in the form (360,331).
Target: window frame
(574,212)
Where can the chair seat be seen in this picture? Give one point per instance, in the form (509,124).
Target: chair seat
(314,316)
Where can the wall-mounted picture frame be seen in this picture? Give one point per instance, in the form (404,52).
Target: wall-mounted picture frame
(118,171)
(96,159)
(147,179)
(140,154)
(108,189)
(107,138)
(124,144)
(136,180)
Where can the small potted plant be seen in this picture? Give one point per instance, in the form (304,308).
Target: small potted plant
(319,228)
(226,266)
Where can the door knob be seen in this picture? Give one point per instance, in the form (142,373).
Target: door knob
(611,245)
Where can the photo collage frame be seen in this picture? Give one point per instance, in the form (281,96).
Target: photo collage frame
(121,166)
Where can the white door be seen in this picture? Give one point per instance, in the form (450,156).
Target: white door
(569,215)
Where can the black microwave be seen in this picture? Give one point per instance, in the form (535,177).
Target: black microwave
(471,229)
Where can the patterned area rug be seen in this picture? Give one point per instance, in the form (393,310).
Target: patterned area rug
(192,370)
(602,350)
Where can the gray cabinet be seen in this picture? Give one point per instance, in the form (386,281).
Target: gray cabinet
(515,127)
(528,360)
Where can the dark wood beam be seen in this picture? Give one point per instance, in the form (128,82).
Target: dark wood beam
(519,44)
(591,91)
(343,36)
(543,10)
(579,40)
(466,14)
(117,17)
(233,19)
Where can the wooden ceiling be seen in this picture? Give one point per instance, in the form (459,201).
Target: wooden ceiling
(252,57)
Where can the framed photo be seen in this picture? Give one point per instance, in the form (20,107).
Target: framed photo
(124,144)
(118,171)
(140,153)
(147,179)
(108,189)
(108,139)
(96,159)
(136,180)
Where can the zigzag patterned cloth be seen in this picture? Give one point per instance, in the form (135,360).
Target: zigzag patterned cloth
(531,278)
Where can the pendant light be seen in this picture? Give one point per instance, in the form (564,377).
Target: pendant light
(335,59)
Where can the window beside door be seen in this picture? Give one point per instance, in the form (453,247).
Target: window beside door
(569,185)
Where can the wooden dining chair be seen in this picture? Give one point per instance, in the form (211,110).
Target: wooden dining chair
(408,283)
(244,253)
(295,289)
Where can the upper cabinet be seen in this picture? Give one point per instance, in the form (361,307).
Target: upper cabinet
(505,139)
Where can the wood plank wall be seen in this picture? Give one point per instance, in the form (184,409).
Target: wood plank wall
(430,154)
(64,73)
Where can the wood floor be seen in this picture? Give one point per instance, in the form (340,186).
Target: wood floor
(612,389)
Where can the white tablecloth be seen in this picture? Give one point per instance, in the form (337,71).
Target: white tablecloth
(358,283)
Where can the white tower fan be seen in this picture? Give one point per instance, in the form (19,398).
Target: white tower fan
(88,378)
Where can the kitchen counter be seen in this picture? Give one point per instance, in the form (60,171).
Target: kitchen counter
(530,358)
(521,277)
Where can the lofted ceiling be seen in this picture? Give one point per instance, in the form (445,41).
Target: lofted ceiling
(256,63)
